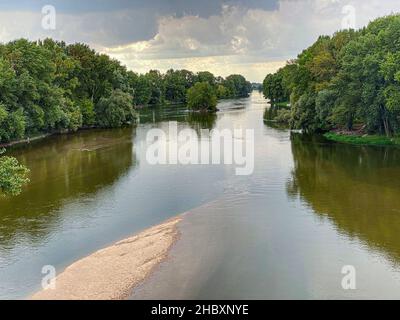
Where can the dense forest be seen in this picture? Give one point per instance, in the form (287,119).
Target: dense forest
(349,81)
(49,86)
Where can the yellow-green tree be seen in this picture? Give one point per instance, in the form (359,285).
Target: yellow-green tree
(202,97)
(13,175)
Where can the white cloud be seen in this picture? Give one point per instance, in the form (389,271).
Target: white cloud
(243,40)
(233,39)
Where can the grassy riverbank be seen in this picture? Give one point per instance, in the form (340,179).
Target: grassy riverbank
(375,140)
(282,104)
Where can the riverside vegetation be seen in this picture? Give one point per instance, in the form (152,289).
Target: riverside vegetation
(48,86)
(348,83)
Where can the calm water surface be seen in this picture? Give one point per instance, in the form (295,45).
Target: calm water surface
(286,231)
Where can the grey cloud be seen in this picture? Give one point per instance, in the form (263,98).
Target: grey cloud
(203,8)
(143,33)
(117,22)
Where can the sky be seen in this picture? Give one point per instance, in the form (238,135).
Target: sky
(250,37)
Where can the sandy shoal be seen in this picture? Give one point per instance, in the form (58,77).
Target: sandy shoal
(112,273)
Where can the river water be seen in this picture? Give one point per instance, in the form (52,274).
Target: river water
(310,208)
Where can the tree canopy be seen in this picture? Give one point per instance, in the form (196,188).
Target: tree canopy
(13,175)
(349,81)
(202,97)
(48,86)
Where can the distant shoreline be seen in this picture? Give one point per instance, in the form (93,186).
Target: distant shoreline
(113,272)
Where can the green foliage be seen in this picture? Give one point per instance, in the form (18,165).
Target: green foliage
(237,86)
(274,89)
(278,116)
(13,175)
(175,86)
(202,97)
(376,140)
(142,89)
(283,116)
(348,81)
(86,107)
(205,76)
(222,92)
(116,110)
(156,83)
(304,113)
(48,86)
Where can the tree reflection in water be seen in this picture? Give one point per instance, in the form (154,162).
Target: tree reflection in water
(357,188)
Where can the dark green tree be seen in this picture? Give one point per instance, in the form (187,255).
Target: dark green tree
(116,110)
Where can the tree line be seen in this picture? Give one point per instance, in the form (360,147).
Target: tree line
(349,81)
(48,86)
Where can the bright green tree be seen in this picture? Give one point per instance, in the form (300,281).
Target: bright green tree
(13,175)
(115,111)
(202,97)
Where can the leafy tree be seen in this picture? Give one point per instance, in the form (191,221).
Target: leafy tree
(304,113)
(202,97)
(175,86)
(205,76)
(349,81)
(48,86)
(115,111)
(190,78)
(88,113)
(141,89)
(237,86)
(274,89)
(222,92)
(13,175)
(156,84)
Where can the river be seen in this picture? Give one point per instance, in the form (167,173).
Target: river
(310,208)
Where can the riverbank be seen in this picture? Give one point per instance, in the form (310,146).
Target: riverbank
(30,140)
(113,272)
(357,139)
(25,141)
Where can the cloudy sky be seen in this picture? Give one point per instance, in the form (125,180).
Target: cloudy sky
(251,37)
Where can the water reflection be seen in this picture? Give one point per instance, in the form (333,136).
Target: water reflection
(62,169)
(178,113)
(271,113)
(87,191)
(198,121)
(357,188)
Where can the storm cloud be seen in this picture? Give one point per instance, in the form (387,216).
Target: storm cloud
(251,37)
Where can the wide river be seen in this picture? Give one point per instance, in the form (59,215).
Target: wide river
(310,208)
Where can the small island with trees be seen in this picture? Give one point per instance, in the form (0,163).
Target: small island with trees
(201,97)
